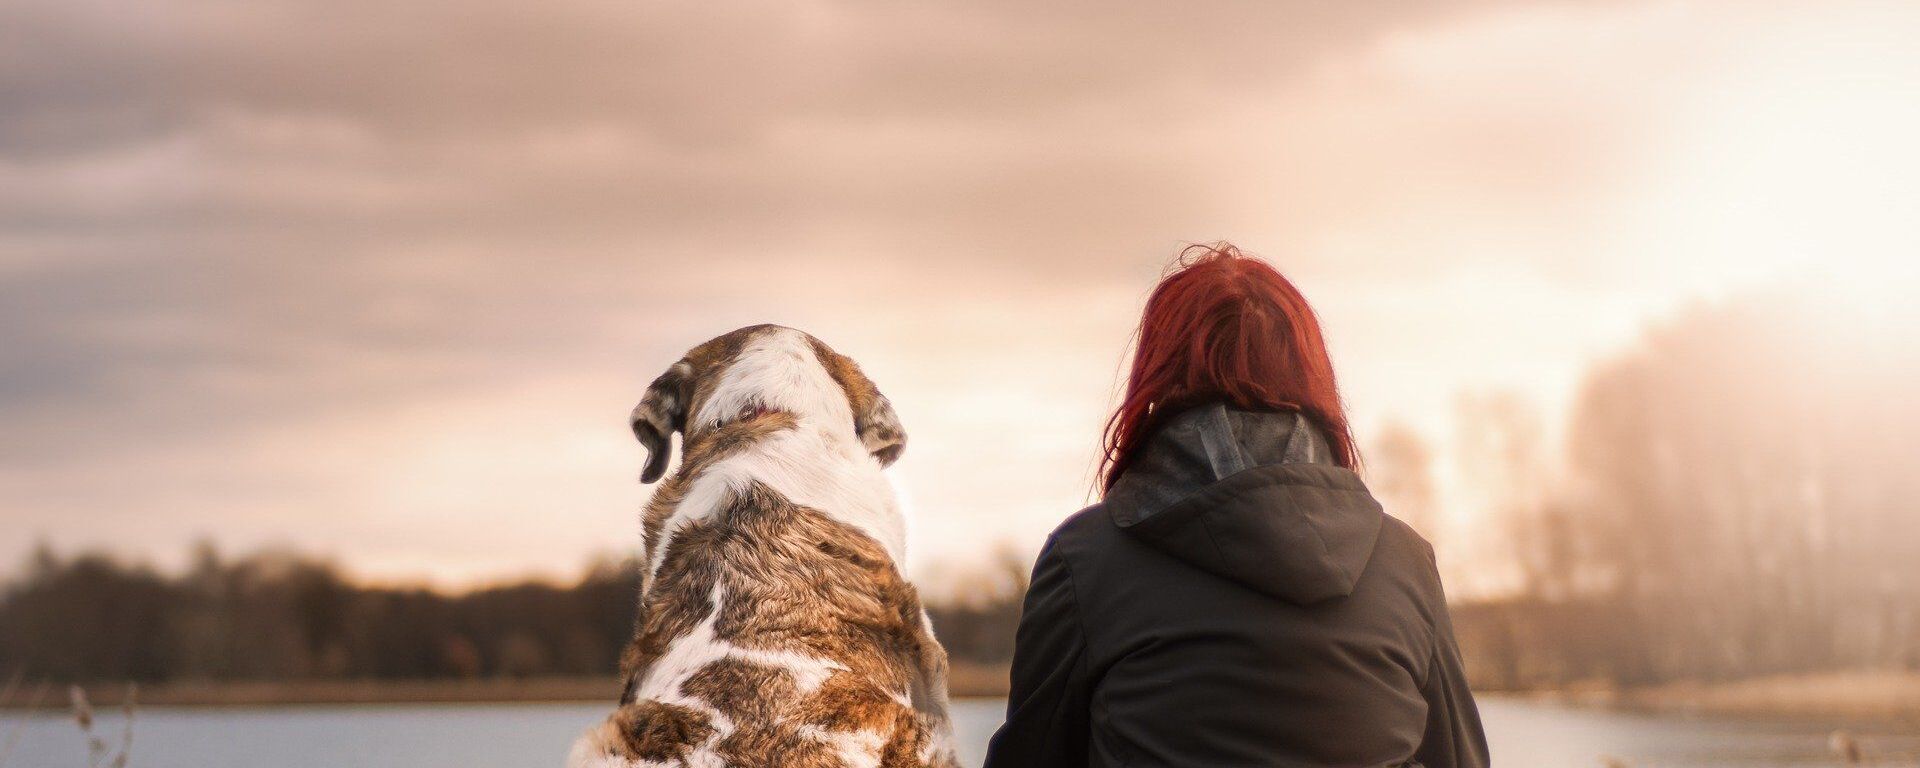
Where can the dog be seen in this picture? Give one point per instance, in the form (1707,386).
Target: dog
(775,627)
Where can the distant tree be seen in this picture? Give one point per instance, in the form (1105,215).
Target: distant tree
(978,624)
(1400,472)
(1745,482)
(278,616)
(87,617)
(1503,454)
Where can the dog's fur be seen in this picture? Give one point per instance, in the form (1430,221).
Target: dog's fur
(775,627)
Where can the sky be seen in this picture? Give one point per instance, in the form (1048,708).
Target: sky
(381,281)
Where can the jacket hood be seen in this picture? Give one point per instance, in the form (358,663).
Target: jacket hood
(1253,497)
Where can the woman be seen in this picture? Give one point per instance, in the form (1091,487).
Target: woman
(1237,598)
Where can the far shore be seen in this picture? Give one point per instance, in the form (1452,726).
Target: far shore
(1842,699)
(964,681)
(1865,699)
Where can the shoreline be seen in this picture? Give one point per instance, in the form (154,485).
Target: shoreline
(1848,699)
(965,681)
(1862,700)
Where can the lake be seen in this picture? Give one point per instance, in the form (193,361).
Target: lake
(1524,734)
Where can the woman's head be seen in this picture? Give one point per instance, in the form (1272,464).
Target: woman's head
(1224,326)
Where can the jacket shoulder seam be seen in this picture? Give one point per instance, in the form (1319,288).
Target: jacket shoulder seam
(1433,621)
(1073,594)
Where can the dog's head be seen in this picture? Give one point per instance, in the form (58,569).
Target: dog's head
(759,369)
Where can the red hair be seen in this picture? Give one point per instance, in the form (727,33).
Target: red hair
(1222,326)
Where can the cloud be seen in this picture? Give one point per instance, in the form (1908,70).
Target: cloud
(252,185)
(687,70)
(280,269)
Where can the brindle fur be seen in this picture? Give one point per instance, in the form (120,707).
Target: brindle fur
(792,580)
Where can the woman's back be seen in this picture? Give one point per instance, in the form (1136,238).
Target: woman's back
(1237,600)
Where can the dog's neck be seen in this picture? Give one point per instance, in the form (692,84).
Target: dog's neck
(828,427)
(816,463)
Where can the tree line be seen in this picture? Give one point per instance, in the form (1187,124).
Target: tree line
(283,616)
(1738,495)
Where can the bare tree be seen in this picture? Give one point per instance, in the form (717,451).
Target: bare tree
(1504,457)
(1744,488)
(1400,472)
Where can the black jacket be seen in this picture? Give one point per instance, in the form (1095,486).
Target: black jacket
(1237,600)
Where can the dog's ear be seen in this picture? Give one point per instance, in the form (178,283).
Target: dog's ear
(879,427)
(662,412)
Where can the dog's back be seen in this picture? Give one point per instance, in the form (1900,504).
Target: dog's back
(776,628)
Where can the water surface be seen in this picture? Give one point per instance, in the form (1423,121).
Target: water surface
(1523,735)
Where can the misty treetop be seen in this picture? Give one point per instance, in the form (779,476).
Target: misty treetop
(1740,496)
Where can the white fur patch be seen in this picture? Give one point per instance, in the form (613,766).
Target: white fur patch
(688,656)
(820,463)
(778,370)
(809,466)
(857,749)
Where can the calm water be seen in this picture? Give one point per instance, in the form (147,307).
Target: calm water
(1524,735)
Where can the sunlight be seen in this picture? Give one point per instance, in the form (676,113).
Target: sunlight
(1802,168)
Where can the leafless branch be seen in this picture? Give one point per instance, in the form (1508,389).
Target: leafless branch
(126,730)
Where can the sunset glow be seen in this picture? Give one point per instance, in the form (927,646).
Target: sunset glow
(391,303)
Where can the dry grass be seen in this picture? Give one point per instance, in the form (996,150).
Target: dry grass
(99,754)
(1866,698)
